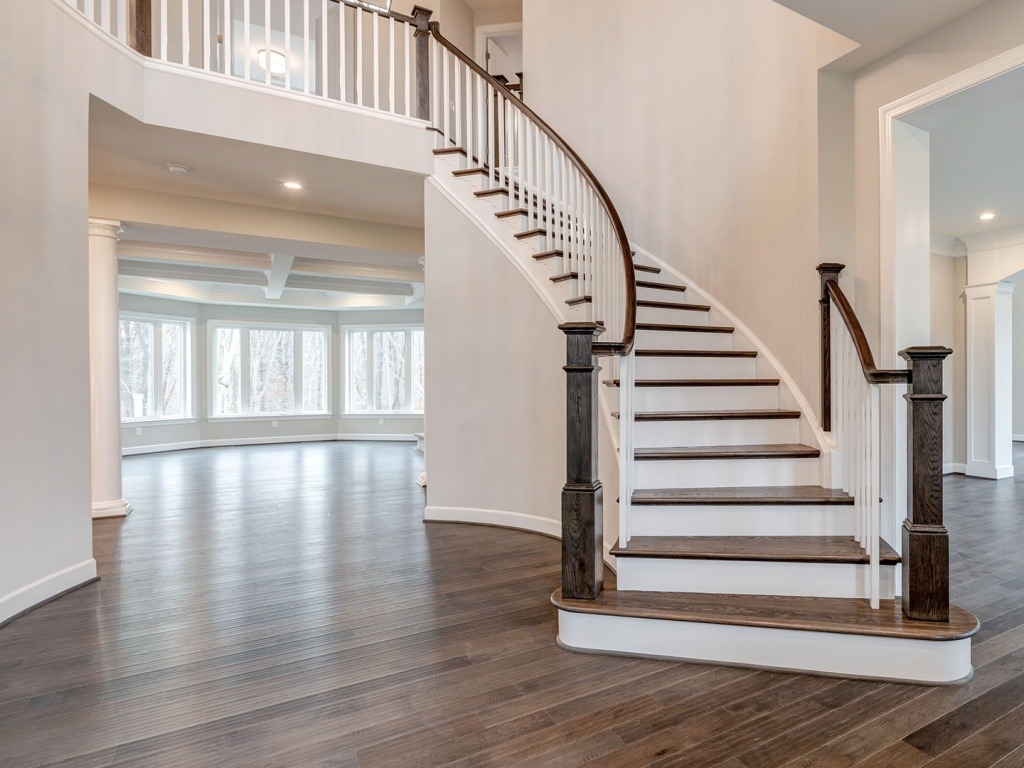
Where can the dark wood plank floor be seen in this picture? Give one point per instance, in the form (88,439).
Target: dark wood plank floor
(285,606)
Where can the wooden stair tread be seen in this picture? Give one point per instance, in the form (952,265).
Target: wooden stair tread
(695,353)
(715,415)
(705,452)
(809,614)
(470,172)
(788,549)
(673,305)
(745,496)
(645,268)
(698,382)
(565,276)
(548,255)
(685,328)
(579,300)
(660,286)
(450,151)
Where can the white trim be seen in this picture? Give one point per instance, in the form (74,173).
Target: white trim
(499,518)
(988,471)
(271,417)
(1018,438)
(385,415)
(990,241)
(954,469)
(172,422)
(242,441)
(830,653)
(160,448)
(491,30)
(45,589)
(106,509)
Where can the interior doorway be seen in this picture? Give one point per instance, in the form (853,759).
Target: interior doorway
(499,50)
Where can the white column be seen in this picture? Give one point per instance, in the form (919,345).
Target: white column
(104,371)
(989,380)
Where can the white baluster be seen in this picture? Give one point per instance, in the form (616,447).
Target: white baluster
(875,489)
(500,149)
(163,29)
(227,52)
(306,46)
(375,29)
(90,10)
(122,21)
(105,15)
(627,378)
(325,88)
(268,21)
(490,126)
(457,88)
(481,127)
(185,38)
(409,74)
(246,40)
(391,69)
(359,56)
(207,44)
(467,111)
(446,101)
(287,44)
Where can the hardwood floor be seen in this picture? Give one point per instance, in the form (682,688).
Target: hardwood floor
(285,606)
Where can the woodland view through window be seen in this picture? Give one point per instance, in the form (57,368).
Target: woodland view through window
(155,357)
(385,370)
(270,370)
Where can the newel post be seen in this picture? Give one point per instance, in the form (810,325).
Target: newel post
(140,26)
(421,19)
(827,272)
(582,514)
(925,540)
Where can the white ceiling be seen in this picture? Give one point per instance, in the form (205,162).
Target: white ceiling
(977,157)
(880,26)
(127,153)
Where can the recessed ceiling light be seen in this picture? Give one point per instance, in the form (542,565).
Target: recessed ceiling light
(177,170)
(292,185)
(987,216)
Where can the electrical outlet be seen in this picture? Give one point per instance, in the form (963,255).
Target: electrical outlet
(273,424)
(138,431)
(382,422)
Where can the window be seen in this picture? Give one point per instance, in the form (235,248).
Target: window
(270,370)
(385,370)
(156,368)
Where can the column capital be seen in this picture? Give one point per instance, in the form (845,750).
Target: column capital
(988,289)
(105,228)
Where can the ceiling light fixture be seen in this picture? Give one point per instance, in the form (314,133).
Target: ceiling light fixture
(278,63)
(177,170)
(292,185)
(987,216)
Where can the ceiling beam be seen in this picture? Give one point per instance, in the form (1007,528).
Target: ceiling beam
(178,254)
(277,277)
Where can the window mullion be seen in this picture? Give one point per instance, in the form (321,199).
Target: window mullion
(157,364)
(245,372)
(297,374)
(371,372)
(408,370)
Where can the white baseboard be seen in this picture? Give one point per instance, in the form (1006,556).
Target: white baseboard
(225,442)
(45,589)
(988,470)
(954,469)
(102,510)
(1018,438)
(498,518)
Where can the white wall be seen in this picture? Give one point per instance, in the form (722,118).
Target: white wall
(700,118)
(1018,363)
(207,432)
(943,332)
(989,30)
(495,386)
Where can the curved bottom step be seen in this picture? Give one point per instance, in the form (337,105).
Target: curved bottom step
(820,636)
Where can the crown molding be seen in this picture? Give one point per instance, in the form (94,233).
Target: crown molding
(946,245)
(992,241)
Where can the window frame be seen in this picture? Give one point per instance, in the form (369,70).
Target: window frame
(245,373)
(347,332)
(189,378)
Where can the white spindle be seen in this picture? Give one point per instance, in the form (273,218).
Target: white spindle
(268,21)
(163,28)
(90,10)
(391,68)
(874,489)
(122,21)
(490,128)
(409,74)
(287,44)
(342,54)
(246,40)
(105,15)
(626,419)
(227,52)
(326,85)
(207,42)
(306,45)
(375,29)
(457,88)
(185,39)
(446,101)
(359,57)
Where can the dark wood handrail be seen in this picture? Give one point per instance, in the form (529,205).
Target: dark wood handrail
(624,346)
(872,373)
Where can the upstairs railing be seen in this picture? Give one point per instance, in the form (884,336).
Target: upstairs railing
(354,53)
(335,49)
(850,399)
(520,156)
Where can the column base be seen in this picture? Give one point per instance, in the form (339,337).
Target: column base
(988,470)
(422,480)
(102,510)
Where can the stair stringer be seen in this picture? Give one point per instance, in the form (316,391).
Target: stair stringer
(481,214)
(768,366)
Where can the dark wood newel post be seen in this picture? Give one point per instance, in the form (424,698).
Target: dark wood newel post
(582,514)
(421,18)
(140,26)
(925,540)
(827,272)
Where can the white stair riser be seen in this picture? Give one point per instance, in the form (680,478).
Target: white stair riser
(659,294)
(721,473)
(672,316)
(666,434)
(705,398)
(922,661)
(745,577)
(695,367)
(683,340)
(715,520)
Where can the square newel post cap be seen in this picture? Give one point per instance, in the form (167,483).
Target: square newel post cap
(593,329)
(830,268)
(421,18)
(910,354)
